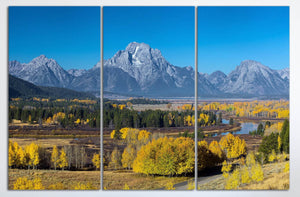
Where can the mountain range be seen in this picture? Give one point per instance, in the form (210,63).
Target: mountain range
(20,88)
(143,71)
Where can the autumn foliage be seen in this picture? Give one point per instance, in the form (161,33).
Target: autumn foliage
(132,135)
(19,157)
(23,183)
(233,146)
(209,155)
(96,160)
(269,109)
(166,156)
(247,172)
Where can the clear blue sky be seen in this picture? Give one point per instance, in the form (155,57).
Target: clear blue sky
(229,35)
(70,35)
(169,29)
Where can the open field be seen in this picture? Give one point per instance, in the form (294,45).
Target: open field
(51,131)
(278,181)
(115,180)
(46,143)
(169,131)
(253,119)
(69,179)
(49,143)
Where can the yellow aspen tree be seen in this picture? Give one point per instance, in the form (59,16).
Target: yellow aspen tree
(233,146)
(233,181)
(78,121)
(126,187)
(144,137)
(215,148)
(188,120)
(115,159)
(185,151)
(96,161)
(112,134)
(11,155)
(21,157)
(257,173)
(128,157)
(124,132)
(166,159)
(226,169)
(287,167)
(250,159)
(132,136)
(32,154)
(49,120)
(242,148)
(142,156)
(279,142)
(63,160)
(54,156)
(16,156)
(165,156)
(226,143)
(245,175)
(171,117)
(272,156)
(121,107)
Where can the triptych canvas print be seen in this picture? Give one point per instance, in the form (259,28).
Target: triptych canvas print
(192,98)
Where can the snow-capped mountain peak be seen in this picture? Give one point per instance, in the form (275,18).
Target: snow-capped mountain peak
(142,70)
(284,73)
(42,71)
(253,78)
(41,60)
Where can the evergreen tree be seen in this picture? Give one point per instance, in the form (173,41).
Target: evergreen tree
(285,137)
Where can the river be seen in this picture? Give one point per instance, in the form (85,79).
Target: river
(245,127)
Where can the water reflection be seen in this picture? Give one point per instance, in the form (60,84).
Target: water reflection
(245,127)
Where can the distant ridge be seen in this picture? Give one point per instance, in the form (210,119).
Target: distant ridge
(21,88)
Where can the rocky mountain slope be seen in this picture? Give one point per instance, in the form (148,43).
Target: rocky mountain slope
(142,70)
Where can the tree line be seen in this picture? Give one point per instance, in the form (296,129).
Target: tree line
(259,109)
(119,117)
(65,116)
(147,154)
(33,156)
(278,142)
